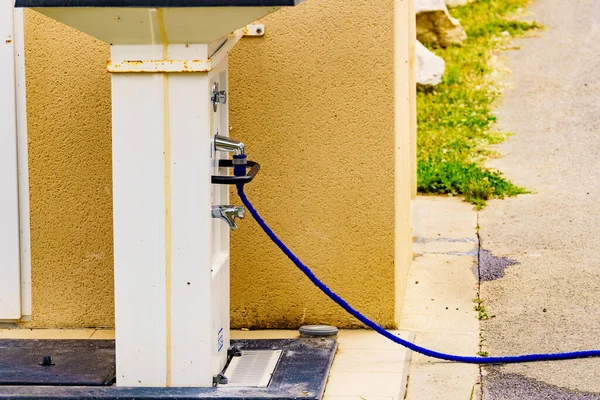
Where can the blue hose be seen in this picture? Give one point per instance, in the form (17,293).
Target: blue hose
(431,353)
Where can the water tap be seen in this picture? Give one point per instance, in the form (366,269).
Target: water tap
(229,214)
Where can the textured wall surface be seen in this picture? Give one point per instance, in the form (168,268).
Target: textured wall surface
(314,102)
(69,127)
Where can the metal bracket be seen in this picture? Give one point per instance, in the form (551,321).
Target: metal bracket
(217,96)
(254,30)
(220,379)
(234,351)
(235,180)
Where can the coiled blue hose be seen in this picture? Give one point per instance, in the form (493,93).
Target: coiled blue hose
(422,350)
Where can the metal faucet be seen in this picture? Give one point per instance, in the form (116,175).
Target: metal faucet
(229,214)
(223,143)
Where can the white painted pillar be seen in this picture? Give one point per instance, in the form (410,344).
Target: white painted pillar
(171,257)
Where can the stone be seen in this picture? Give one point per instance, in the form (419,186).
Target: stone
(429,67)
(435,24)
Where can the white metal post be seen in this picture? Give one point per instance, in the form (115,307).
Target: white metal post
(171,272)
(10,270)
(22,164)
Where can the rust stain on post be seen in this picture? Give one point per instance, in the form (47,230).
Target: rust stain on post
(158,66)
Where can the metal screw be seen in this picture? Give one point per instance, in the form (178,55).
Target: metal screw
(46,361)
(259,31)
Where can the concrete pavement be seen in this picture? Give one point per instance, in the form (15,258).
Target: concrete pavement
(438,305)
(545,294)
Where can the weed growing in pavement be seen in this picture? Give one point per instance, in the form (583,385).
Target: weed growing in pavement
(455,118)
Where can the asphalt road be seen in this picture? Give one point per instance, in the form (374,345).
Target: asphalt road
(546,298)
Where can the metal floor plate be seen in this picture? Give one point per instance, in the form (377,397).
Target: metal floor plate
(75,362)
(301,373)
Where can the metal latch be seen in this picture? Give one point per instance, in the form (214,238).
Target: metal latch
(218,96)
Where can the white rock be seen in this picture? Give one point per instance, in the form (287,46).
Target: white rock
(429,67)
(435,25)
(456,3)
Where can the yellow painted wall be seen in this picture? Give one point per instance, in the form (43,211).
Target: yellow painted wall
(314,102)
(69,128)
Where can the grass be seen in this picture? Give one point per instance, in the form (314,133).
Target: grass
(482,315)
(455,118)
(483,353)
(481,310)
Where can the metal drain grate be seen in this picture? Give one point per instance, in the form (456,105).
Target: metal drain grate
(253,369)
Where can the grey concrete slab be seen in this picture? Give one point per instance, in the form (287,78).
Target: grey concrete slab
(548,298)
(438,304)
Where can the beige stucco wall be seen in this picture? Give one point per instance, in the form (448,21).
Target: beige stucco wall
(69,129)
(314,102)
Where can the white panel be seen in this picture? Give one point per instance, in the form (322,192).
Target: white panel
(139,224)
(191,307)
(133,25)
(23,167)
(10,297)
(199,296)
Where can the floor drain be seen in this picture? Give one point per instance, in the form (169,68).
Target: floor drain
(253,369)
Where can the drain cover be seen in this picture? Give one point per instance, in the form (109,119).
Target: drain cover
(253,369)
(318,330)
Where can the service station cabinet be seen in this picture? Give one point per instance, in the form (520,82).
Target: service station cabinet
(169,100)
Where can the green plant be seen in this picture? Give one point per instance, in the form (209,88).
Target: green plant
(482,315)
(455,118)
(481,310)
